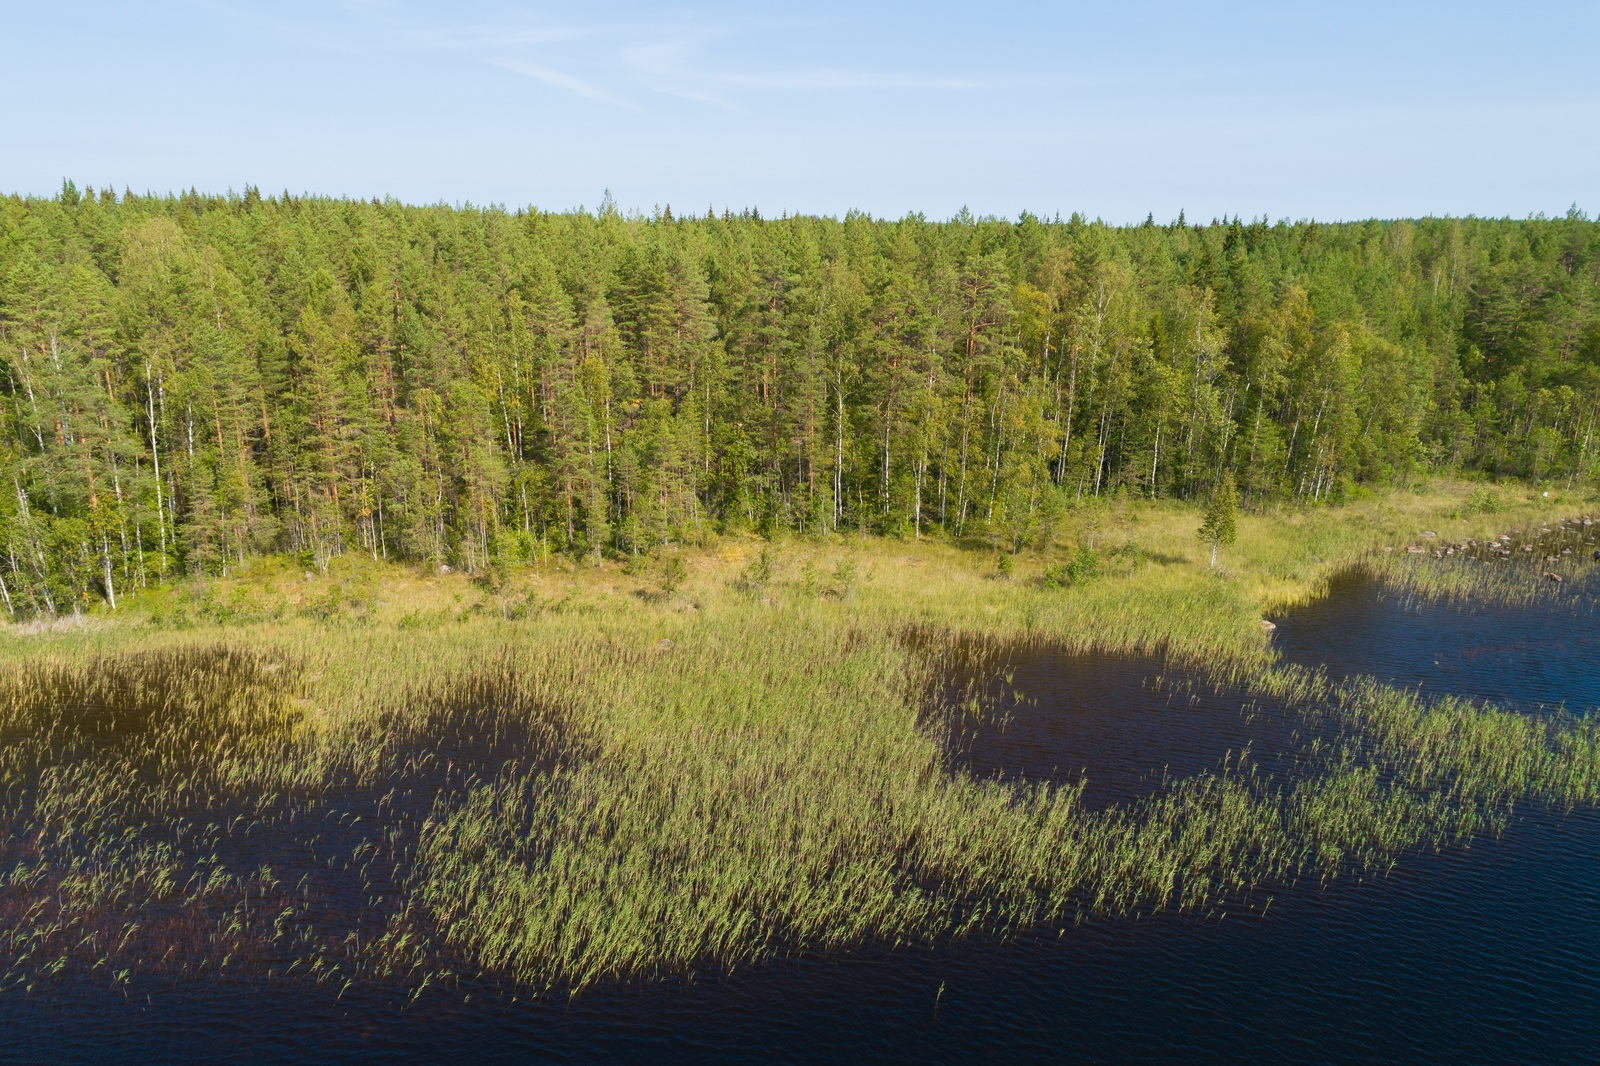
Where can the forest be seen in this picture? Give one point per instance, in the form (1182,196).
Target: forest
(190,381)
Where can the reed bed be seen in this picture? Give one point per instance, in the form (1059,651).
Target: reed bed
(1551,566)
(589,779)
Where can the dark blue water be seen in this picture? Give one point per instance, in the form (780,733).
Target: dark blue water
(1485,954)
(1526,656)
(1119,726)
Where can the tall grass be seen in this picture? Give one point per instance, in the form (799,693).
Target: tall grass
(582,780)
(1551,565)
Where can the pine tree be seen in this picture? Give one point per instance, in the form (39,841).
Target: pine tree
(185,382)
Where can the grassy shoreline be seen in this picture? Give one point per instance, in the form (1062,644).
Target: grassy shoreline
(591,774)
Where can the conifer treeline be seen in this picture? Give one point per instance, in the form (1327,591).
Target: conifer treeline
(189,381)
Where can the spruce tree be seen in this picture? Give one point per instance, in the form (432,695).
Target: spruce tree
(186,381)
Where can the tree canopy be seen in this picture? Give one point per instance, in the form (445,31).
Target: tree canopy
(190,380)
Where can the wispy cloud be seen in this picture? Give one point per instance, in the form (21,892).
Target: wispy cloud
(824,80)
(621,64)
(675,62)
(560,81)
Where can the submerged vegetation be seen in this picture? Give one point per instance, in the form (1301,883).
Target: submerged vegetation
(566,774)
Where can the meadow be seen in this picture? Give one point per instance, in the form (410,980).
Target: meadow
(686,762)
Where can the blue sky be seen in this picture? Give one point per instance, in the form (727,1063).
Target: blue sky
(1311,110)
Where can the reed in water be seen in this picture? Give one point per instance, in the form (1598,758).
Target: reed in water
(734,752)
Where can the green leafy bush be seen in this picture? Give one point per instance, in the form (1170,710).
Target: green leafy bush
(756,575)
(673,573)
(1083,565)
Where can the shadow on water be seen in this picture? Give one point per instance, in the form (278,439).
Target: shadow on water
(1119,726)
(1454,958)
(1479,954)
(123,837)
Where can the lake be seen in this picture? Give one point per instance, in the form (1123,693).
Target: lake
(1488,953)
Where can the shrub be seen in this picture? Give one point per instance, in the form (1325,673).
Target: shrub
(1484,500)
(1080,568)
(756,575)
(673,573)
(844,579)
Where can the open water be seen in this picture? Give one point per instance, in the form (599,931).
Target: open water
(1488,953)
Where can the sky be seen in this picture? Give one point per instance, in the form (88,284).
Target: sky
(1115,110)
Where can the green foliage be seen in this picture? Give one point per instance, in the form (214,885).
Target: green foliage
(1007,565)
(335,605)
(1221,523)
(1081,567)
(845,577)
(757,574)
(414,620)
(495,573)
(325,607)
(673,573)
(1485,500)
(564,803)
(191,381)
